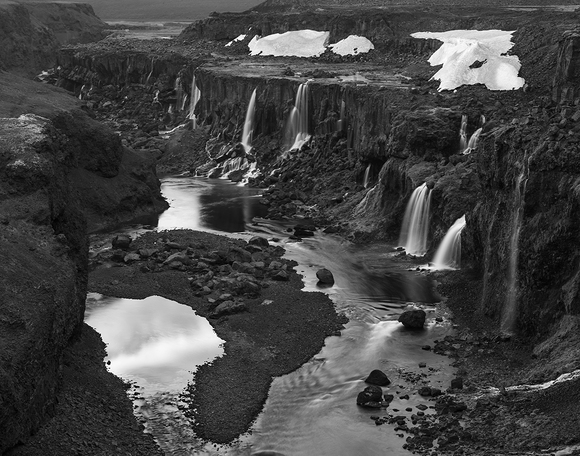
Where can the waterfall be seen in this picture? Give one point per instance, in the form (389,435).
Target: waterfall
(463,133)
(297,126)
(416,222)
(249,124)
(472,144)
(341,121)
(510,308)
(448,255)
(194,98)
(366,178)
(178,94)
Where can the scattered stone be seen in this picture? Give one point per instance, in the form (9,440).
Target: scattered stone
(228,308)
(325,276)
(131,257)
(413,319)
(377,377)
(422,364)
(280,276)
(426,347)
(121,241)
(259,241)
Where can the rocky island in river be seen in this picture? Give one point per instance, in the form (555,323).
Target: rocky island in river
(340,138)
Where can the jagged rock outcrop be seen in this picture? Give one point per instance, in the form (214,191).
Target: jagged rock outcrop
(31,33)
(565,83)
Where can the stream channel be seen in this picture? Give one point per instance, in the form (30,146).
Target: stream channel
(156,343)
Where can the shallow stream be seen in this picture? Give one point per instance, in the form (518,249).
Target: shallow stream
(311,411)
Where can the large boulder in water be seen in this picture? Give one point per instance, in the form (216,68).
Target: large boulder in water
(378,377)
(325,276)
(371,396)
(413,319)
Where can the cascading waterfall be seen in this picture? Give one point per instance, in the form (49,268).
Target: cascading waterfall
(194,98)
(366,179)
(510,308)
(463,133)
(416,222)
(179,95)
(473,140)
(249,124)
(297,126)
(448,255)
(341,121)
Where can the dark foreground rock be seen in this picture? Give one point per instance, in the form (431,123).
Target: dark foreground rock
(413,319)
(270,329)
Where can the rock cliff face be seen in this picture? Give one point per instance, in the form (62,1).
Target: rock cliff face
(60,175)
(31,33)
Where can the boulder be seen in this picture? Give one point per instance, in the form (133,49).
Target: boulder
(378,377)
(325,276)
(371,396)
(259,241)
(228,308)
(413,319)
(121,241)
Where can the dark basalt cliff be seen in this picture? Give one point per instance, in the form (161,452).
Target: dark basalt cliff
(60,175)
(31,33)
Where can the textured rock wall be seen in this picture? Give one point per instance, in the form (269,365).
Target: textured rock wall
(31,33)
(43,272)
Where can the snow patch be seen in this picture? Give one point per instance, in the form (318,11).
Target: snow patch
(352,45)
(299,43)
(235,40)
(475,57)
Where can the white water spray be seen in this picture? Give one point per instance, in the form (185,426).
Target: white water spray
(297,127)
(194,98)
(179,95)
(448,255)
(341,121)
(248,132)
(416,222)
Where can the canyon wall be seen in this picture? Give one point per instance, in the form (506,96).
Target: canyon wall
(31,33)
(61,174)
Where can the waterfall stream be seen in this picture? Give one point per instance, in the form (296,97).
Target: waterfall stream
(510,308)
(415,227)
(463,133)
(193,99)
(297,125)
(448,255)
(248,131)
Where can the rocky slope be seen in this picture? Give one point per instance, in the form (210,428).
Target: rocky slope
(31,33)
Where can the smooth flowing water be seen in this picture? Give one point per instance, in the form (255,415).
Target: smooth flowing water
(448,255)
(313,411)
(463,133)
(297,125)
(248,131)
(193,99)
(415,228)
(473,140)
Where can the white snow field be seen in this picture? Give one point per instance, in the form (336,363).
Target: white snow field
(298,43)
(462,48)
(352,45)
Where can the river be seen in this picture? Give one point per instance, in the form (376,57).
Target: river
(311,411)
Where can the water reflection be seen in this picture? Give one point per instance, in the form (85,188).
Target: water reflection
(154,342)
(208,204)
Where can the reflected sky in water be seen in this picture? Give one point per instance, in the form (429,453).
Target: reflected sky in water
(154,341)
(199,203)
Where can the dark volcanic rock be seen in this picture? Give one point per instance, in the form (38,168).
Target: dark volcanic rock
(371,397)
(325,276)
(413,319)
(378,377)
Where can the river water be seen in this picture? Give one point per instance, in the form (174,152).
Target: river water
(311,411)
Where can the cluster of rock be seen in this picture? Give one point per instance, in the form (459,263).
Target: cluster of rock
(438,422)
(225,277)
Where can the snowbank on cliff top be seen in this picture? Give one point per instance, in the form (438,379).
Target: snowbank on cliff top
(306,43)
(475,57)
(352,45)
(298,43)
